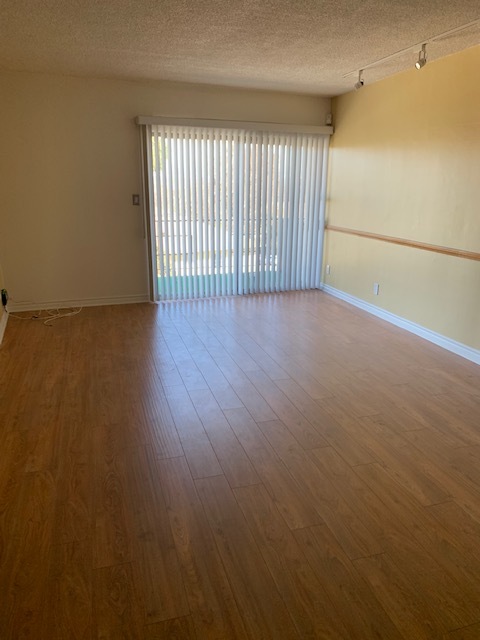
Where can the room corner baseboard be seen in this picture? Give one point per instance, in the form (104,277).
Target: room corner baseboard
(458,348)
(85,302)
(3,325)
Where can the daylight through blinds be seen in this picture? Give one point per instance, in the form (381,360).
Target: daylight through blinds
(236,211)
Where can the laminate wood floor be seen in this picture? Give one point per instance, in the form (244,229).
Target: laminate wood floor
(275,466)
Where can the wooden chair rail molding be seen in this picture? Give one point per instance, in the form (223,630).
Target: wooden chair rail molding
(449,251)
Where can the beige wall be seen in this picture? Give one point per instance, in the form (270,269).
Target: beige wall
(69,163)
(405,162)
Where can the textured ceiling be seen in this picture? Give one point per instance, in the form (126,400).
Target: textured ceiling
(302,46)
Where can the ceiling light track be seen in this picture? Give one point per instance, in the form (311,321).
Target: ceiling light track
(414,47)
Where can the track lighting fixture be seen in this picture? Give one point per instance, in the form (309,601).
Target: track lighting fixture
(422,58)
(422,55)
(359,84)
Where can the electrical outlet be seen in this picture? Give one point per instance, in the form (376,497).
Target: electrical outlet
(376,288)
(327,269)
(136,199)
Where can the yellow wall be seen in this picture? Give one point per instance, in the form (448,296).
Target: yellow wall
(405,162)
(69,163)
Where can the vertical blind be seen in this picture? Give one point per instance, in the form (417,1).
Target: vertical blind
(235,211)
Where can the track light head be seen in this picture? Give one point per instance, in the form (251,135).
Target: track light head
(422,58)
(359,84)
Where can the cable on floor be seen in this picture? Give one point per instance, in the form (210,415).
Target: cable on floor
(51,315)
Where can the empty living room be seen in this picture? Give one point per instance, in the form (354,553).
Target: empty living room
(240,320)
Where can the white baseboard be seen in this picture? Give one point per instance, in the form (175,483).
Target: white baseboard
(3,324)
(86,302)
(442,341)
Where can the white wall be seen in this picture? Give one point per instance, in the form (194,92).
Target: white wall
(68,166)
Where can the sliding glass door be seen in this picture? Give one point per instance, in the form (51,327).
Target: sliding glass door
(235,211)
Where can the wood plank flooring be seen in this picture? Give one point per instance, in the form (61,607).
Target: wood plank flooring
(277,466)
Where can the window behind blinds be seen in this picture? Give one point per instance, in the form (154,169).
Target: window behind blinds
(236,211)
